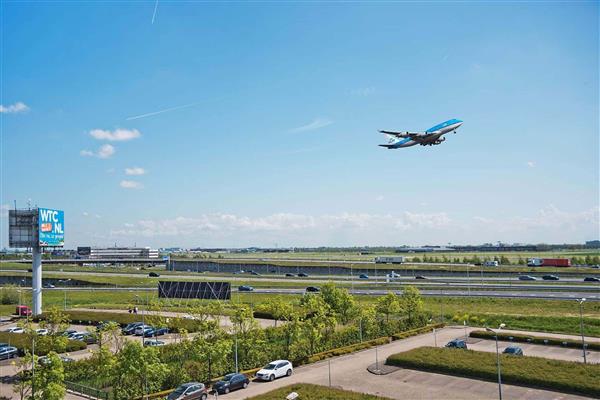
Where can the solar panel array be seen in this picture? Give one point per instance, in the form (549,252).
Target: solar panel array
(194,290)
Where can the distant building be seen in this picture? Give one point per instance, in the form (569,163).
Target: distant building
(116,252)
(593,244)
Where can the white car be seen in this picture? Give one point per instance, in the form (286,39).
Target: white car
(154,343)
(15,329)
(275,369)
(41,331)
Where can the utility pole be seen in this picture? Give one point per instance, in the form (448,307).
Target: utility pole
(581,301)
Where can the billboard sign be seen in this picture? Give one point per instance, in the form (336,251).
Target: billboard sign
(194,290)
(22,228)
(51,225)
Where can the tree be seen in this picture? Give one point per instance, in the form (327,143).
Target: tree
(411,302)
(138,371)
(504,260)
(279,308)
(10,294)
(49,379)
(340,301)
(388,305)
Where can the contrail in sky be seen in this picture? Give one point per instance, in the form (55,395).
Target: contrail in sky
(154,13)
(160,112)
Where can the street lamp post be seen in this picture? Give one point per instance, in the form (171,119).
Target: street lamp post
(498,360)
(581,301)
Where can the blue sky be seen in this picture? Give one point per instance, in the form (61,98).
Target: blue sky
(270,134)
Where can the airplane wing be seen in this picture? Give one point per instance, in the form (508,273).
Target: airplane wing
(419,137)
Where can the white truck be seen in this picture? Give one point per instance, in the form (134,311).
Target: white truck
(490,263)
(389,260)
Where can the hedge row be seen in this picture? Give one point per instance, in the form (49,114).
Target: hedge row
(95,317)
(343,350)
(417,331)
(309,391)
(43,345)
(564,376)
(549,341)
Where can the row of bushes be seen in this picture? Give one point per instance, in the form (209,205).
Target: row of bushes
(43,344)
(95,317)
(308,391)
(417,331)
(550,341)
(564,376)
(343,350)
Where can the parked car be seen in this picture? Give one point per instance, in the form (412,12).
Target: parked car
(289,274)
(231,382)
(68,332)
(254,273)
(41,331)
(154,275)
(84,337)
(15,329)
(303,275)
(102,325)
(142,329)
(591,279)
(275,369)
(420,277)
(23,311)
(363,276)
(130,328)
(245,288)
(153,332)
(189,391)
(154,343)
(46,360)
(513,350)
(457,344)
(527,278)
(8,352)
(241,271)
(550,278)
(2,345)
(313,289)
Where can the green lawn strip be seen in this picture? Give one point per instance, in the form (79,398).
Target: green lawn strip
(543,340)
(564,376)
(308,391)
(24,341)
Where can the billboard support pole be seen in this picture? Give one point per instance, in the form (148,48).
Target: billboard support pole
(36,281)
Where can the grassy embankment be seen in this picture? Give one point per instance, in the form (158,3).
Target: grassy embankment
(308,391)
(564,376)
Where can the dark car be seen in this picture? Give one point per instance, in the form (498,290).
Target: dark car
(457,344)
(85,337)
(313,289)
(189,391)
(130,328)
(527,278)
(363,276)
(245,288)
(289,274)
(154,275)
(231,382)
(254,273)
(550,278)
(152,332)
(513,351)
(303,275)
(48,286)
(420,277)
(591,279)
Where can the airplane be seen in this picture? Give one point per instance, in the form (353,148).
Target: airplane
(430,137)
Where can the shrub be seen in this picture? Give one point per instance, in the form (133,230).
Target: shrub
(342,350)
(9,295)
(418,331)
(565,376)
(515,337)
(44,345)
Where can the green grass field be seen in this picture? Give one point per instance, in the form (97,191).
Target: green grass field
(565,376)
(307,391)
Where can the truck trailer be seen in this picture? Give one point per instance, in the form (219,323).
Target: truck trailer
(389,260)
(549,262)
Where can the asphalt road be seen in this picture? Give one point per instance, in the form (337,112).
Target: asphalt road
(350,372)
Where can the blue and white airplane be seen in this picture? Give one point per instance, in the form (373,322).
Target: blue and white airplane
(430,137)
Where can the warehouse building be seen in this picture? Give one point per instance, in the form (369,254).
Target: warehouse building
(94,253)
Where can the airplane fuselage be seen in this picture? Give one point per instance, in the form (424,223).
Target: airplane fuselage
(431,136)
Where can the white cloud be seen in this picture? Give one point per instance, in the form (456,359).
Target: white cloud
(131,185)
(531,164)
(104,151)
(18,107)
(315,124)
(118,135)
(135,171)
(379,198)
(85,213)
